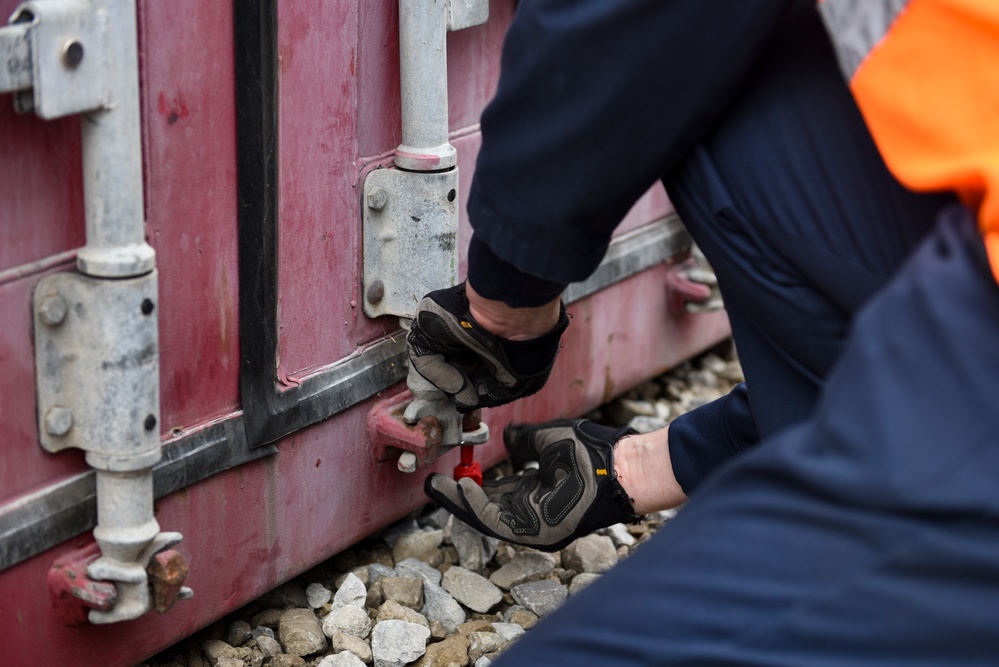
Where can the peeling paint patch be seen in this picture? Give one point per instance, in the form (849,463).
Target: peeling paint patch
(174,109)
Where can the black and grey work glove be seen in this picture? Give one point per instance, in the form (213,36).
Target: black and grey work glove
(474,367)
(573,492)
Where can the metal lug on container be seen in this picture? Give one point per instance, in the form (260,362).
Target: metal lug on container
(377,199)
(167,572)
(58,421)
(53,310)
(72,53)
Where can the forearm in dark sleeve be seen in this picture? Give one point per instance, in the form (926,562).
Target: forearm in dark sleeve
(596,100)
(497,279)
(706,437)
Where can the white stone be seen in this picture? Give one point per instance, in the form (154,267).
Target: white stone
(619,535)
(318,595)
(347,619)
(414,567)
(508,631)
(351,592)
(398,643)
(342,659)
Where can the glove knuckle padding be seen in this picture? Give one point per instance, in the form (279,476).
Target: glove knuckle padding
(560,471)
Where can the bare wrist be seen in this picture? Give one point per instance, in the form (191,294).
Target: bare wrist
(643,468)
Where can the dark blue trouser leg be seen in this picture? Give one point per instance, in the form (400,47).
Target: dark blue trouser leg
(802,222)
(867,535)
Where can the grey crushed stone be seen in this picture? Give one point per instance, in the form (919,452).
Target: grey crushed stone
(397,643)
(351,593)
(441,607)
(581,581)
(591,553)
(407,592)
(413,567)
(524,565)
(342,659)
(348,619)
(541,597)
(471,589)
(393,611)
(549,578)
(318,595)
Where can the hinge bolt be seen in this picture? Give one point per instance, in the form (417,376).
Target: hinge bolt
(58,421)
(376,291)
(53,310)
(377,199)
(72,54)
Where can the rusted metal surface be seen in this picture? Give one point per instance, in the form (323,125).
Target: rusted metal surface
(167,574)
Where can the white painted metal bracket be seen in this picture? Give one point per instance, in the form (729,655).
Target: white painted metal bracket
(97,368)
(410,238)
(56,48)
(463,14)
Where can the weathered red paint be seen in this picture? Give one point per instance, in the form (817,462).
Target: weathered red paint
(74,593)
(251,528)
(390,436)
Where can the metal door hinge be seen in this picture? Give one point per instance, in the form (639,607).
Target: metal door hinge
(410,238)
(55,59)
(97,368)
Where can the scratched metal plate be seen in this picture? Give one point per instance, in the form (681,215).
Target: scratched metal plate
(410,238)
(97,364)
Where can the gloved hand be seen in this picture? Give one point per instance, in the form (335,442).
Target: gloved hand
(573,492)
(474,367)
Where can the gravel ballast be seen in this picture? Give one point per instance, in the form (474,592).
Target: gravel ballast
(430,591)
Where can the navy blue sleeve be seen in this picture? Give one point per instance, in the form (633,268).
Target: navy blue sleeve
(498,280)
(706,437)
(596,100)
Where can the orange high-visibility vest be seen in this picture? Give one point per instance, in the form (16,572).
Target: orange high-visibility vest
(925,74)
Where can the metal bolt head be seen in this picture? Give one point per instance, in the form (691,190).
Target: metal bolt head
(377,199)
(407,462)
(53,310)
(376,291)
(72,54)
(58,421)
